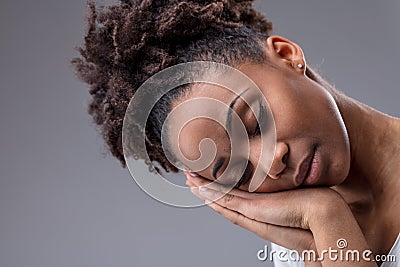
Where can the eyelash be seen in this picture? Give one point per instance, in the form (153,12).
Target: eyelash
(259,120)
(244,177)
(257,130)
(241,180)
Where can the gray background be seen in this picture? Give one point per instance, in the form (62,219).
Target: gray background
(63,202)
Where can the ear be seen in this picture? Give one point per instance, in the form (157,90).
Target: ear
(282,50)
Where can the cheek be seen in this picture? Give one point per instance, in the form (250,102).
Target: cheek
(201,142)
(338,159)
(334,144)
(298,110)
(310,115)
(339,140)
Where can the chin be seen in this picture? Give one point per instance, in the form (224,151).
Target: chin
(338,172)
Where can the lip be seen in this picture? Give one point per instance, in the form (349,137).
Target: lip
(315,169)
(303,168)
(310,169)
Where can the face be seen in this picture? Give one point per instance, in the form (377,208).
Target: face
(312,147)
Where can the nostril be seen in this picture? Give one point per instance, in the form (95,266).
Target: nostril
(284,158)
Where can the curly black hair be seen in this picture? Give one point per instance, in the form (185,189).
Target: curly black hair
(128,42)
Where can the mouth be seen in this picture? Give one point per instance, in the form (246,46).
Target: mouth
(310,169)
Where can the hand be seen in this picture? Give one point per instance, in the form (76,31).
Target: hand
(298,219)
(269,215)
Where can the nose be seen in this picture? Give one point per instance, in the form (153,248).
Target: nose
(279,160)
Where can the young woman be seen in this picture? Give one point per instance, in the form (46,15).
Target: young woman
(334,173)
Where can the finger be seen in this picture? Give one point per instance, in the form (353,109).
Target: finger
(199,181)
(271,208)
(232,202)
(291,238)
(187,173)
(189,183)
(286,208)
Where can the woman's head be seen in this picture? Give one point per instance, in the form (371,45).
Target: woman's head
(129,42)
(311,139)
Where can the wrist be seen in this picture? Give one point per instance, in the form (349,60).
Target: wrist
(327,208)
(334,224)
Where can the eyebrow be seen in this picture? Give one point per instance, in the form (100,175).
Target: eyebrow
(228,126)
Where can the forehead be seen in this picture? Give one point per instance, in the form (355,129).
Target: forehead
(214,91)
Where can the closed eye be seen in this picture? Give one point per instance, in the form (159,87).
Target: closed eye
(247,174)
(257,130)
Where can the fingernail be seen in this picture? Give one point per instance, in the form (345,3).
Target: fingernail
(193,174)
(203,189)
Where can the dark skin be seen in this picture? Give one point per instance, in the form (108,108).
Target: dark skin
(355,191)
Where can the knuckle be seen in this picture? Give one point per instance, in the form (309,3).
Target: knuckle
(228,199)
